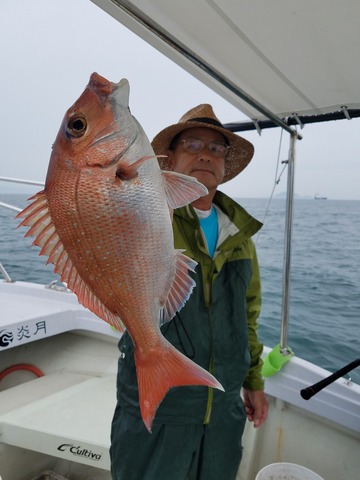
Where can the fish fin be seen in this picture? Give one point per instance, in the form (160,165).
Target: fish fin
(182,189)
(126,171)
(181,288)
(37,216)
(161,369)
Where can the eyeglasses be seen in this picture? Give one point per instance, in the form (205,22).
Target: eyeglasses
(195,145)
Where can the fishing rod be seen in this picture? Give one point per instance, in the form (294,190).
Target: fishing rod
(309,392)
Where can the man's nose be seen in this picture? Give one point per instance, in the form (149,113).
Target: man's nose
(205,156)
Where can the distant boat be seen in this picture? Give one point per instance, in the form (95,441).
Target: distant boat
(318,197)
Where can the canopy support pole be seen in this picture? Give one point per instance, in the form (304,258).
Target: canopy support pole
(287,245)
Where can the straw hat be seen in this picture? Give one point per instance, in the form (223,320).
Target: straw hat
(240,152)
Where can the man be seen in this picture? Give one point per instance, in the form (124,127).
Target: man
(197,431)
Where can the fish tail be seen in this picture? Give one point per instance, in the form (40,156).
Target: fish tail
(162,369)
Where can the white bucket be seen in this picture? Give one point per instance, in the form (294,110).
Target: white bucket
(286,471)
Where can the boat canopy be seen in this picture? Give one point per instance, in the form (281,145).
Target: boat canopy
(273,60)
(278,58)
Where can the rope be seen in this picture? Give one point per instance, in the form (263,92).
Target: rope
(276,182)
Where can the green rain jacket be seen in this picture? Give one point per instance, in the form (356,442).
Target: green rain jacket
(217,327)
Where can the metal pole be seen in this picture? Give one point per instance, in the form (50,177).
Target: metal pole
(10,207)
(5,274)
(287,246)
(20,180)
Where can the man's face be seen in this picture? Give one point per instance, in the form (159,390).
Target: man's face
(206,166)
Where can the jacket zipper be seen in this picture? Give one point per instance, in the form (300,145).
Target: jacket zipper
(210,397)
(207,299)
(211,364)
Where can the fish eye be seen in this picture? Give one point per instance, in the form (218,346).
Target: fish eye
(76,126)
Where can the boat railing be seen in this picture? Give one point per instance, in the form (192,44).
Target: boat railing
(5,274)
(3,271)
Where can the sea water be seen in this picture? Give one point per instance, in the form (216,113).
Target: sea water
(324,312)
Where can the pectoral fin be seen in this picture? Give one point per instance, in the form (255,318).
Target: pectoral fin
(127,171)
(182,189)
(181,288)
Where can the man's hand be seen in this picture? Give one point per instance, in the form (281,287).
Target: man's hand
(256,406)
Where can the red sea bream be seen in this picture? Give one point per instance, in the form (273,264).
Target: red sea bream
(103,220)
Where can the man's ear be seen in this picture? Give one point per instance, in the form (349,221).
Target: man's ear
(170,162)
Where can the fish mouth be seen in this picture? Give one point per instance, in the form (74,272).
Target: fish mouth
(122,141)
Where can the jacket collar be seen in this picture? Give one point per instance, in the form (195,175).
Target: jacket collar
(244,222)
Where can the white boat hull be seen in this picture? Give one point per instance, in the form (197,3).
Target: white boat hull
(61,421)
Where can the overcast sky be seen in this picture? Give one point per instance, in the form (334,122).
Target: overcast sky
(48,50)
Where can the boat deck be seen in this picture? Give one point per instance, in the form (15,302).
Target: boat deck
(61,414)
(65,415)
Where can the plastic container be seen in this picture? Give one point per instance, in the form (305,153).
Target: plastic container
(286,471)
(275,360)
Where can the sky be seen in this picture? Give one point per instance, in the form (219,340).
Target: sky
(48,50)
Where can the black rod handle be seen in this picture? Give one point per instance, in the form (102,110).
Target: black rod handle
(309,392)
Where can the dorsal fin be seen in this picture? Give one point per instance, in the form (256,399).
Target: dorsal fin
(182,189)
(181,288)
(37,216)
